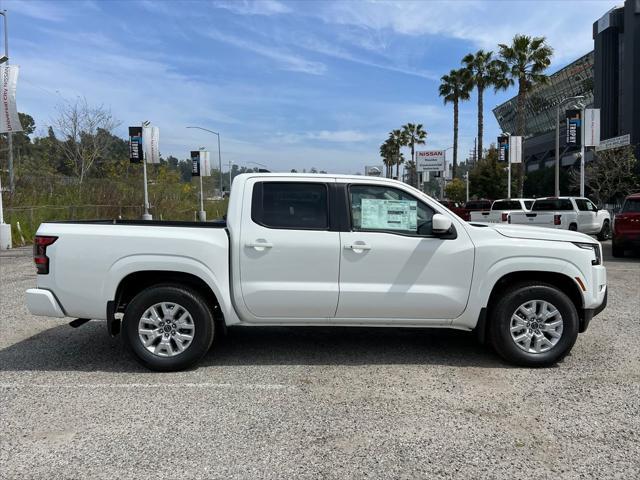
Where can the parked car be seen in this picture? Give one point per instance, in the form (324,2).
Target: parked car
(567,213)
(338,250)
(626,226)
(475,206)
(500,210)
(455,207)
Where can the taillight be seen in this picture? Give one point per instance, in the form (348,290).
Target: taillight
(556,219)
(505,217)
(40,244)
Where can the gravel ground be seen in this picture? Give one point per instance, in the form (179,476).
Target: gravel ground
(317,402)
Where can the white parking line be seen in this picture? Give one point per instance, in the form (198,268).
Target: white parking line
(153,385)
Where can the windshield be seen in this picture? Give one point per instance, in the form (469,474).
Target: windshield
(506,205)
(631,205)
(552,204)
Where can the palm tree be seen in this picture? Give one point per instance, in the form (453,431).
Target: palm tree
(387,152)
(524,62)
(455,87)
(484,71)
(398,140)
(414,135)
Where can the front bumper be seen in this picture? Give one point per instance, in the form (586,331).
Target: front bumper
(589,313)
(43,303)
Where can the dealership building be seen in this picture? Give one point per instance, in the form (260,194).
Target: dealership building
(607,78)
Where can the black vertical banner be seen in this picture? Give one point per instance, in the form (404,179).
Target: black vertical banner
(195,163)
(503,148)
(574,127)
(135,144)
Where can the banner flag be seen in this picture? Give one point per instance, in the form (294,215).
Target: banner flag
(10,121)
(574,125)
(503,148)
(135,144)
(592,127)
(205,164)
(195,163)
(515,149)
(200,164)
(151,144)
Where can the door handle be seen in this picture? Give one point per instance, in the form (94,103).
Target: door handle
(358,247)
(257,244)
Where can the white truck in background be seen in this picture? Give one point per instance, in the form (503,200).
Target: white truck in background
(320,250)
(578,214)
(501,209)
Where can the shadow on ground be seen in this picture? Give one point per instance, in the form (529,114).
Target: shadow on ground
(89,348)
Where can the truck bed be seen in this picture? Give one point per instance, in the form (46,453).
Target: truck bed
(150,223)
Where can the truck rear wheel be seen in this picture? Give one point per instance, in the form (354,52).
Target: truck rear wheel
(168,327)
(605,231)
(533,325)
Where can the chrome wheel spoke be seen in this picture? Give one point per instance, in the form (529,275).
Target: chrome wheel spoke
(536,326)
(166,329)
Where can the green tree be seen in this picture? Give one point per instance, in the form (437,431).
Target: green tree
(414,134)
(488,178)
(456,190)
(524,63)
(484,71)
(455,87)
(387,152)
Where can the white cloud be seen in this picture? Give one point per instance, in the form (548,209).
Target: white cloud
(254,7)
(287,60)
(566,24)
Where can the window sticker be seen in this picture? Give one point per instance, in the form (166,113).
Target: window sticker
(389,214)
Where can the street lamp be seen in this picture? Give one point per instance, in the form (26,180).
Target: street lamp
(219,155)
(557,185)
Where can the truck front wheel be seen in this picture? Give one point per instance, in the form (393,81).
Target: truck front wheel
(533,325)
(168,327)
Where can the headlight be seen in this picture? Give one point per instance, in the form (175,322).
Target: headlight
(595,248)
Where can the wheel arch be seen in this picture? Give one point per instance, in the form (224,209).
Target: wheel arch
(135,282)
(562,282)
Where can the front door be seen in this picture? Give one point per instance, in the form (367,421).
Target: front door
(392,266)
(289,257)
(587,221)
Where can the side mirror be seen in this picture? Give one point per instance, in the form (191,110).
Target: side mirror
(440,224)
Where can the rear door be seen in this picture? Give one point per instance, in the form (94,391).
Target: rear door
(289,252)
(587,218)
(392,266)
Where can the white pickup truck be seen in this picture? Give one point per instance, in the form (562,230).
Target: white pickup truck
(320,250)
(566,213)
(501,209)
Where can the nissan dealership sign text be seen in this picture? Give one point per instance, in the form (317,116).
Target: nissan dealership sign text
(430,161)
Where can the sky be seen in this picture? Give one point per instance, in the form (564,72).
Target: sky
(287,84)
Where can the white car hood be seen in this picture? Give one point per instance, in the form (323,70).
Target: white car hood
(539,233)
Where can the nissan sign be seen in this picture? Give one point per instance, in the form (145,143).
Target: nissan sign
(430,161)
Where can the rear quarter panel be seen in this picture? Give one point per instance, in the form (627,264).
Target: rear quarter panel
(89,261)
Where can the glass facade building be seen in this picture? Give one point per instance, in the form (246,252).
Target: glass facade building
(542,100)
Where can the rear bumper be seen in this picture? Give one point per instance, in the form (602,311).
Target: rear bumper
(43,303)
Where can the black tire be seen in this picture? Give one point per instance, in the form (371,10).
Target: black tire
(500,324)
(616,250)
(191,301)
(605,231)
(573,227)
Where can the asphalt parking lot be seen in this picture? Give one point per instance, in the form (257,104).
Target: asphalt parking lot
(317,402)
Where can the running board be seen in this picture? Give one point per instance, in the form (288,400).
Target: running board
(78,322)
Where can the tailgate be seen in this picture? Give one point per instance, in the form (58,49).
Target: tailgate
(533,218)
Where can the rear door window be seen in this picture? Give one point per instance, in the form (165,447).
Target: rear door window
(291,205)
(552,204)
(631,205)
(506,205)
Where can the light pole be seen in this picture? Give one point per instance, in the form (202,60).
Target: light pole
(466,177)
(219,155)
(557,184)
(202,215)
